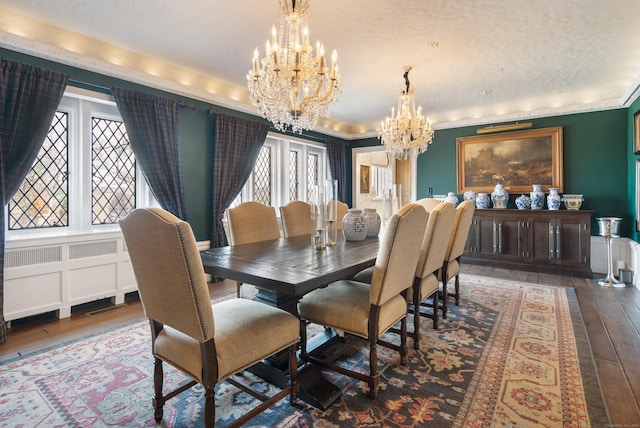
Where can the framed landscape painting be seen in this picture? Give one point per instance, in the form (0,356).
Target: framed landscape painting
(518,159)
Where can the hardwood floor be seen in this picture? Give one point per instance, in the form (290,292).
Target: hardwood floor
(611,317)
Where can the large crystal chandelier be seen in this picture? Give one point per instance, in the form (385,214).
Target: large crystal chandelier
(406,133)
(291,86)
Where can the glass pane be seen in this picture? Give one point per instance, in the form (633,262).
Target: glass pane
(262,177)
(293,175)
(114,172)
(43,197)
(312,174)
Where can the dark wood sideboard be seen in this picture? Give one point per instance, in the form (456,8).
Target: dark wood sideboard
(548,241)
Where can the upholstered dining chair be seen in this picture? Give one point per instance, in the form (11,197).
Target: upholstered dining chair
(432,251)
(341,212)
(296,219)
(434,247)
(209,343)
(451,265)
(368,311)
(251,222)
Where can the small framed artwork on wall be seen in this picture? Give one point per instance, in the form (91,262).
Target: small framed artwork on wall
(636,133)
(365,179)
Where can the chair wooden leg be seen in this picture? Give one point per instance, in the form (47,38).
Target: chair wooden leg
(417,299)
(209,407)
(158,398)
(457,291)
(403,340)
(239,286)
(373,368)
(293,375)
(436,308)
(445,298)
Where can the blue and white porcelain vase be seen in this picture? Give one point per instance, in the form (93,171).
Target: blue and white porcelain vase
(499,196)
(372,222)
(537,197)
(470,195)
(553,200)
(482,201)
(523,202)
(354,226)
(452,198)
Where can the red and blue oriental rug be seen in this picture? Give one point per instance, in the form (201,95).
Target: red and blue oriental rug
(511,355)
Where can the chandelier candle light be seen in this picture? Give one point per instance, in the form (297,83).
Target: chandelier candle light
(291,86)
(406,133)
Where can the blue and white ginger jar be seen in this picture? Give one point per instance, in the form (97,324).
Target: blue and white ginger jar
(452,198)
(523,202)
(482,201)
(499,196)
(470,195)
(553,200)
(372,222)
(537,197)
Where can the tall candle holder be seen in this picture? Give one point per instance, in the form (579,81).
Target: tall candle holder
(318,214)
(331,214)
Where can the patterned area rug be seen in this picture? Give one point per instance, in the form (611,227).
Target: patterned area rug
(511,355)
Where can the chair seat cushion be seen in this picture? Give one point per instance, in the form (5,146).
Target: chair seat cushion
(245,332)
(364,275)
(344,305)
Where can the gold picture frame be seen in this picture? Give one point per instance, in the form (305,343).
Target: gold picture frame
(518,159)
(365,178)
(636,133)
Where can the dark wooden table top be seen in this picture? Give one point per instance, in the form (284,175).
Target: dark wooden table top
(290,266)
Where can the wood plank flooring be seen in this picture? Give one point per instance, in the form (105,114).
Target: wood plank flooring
(611,317)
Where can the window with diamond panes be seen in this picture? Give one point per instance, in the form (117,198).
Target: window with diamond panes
(293,175)
(262,177)
(113,170)
(42,201)
(312,174)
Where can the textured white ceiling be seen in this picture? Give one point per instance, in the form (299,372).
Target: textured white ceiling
(474,61)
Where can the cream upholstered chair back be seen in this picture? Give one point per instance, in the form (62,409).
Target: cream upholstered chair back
(461,226)
(342,211)
(394,268)
(436,238)
(252,222)
(296,219)
(168,269)
(428,203)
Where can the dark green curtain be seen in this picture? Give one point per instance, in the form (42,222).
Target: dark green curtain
(29,98)
(152,127)
(336,155)
(237,146)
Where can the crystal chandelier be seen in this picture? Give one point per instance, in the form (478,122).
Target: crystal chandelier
(406,133)
(291,86)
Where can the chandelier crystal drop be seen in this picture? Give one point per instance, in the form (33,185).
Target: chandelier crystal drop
(292,86)
(406,133)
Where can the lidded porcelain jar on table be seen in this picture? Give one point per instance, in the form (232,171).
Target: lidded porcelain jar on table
(372,222)
(482,201)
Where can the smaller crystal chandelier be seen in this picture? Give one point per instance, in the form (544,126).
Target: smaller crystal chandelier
(406,133)
(291,86)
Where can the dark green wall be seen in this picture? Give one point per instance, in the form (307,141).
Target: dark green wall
(595,150)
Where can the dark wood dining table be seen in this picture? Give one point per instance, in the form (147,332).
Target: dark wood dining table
(286,269)
(283,271)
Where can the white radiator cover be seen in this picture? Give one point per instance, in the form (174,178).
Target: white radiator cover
(54,274)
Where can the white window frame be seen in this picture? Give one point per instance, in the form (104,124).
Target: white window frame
(281,145)
(81,105)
